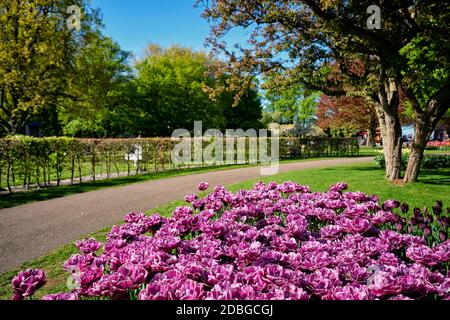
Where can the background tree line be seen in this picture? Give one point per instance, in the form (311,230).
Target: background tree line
(82,84)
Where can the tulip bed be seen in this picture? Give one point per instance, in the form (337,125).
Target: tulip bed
(276,241)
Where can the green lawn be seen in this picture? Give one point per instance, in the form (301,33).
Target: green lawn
(434,185)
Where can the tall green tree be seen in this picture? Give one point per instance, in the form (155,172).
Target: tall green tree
(295,104)
(96,87)
(170,82)
(307,40)
(246,114)
(36,50)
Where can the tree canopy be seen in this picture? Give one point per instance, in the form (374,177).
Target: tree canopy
(79,82)
(36,51)
(327,46)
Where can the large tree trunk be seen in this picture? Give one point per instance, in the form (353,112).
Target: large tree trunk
(422,134)
(387,106)
(391,131)
(427,119)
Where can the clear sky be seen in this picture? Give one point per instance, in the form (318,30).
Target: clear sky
(135,23)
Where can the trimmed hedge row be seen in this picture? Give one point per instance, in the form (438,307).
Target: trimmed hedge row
(428,162)
(30,161)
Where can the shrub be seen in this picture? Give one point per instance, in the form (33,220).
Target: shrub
(428,162)
(39,161)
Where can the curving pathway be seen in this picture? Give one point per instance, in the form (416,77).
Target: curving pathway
(33,230)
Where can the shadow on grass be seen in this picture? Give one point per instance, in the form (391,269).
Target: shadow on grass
(429,177)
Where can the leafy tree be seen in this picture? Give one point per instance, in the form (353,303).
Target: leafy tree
(171,93)
(101,70)
(305,41)
(351,113)
(246,115)
(170,82)
(294,104)
(36,49)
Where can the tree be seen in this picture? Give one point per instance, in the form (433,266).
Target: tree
(293,104)
(352,113)
(101,70)
(304,40)
(170,82)
(170,85)
(246,115)
(36,49)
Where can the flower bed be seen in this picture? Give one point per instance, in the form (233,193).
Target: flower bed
(271,242)
(439,145)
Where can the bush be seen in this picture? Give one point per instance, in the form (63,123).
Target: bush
(276,241)
(428,162)
(39,161)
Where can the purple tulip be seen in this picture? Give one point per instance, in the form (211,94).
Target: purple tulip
(351,292)
(61,297)
(423,254)
(27,282)
(332,232)
(134,217)
(272,242)
(404,208)
(191,198)
(357,225)
(322,281)
(391,204)
(426,231)
(203,186)
(383,284)
(128,277)
(88,246)
(339,187)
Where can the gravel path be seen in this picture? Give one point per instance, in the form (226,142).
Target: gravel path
(33,230)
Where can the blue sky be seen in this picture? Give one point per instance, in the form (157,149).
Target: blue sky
(135,23)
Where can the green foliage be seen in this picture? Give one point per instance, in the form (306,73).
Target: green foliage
(102,71)
(436,161)
(246,115)
(428,162)
(30,161)
(81,83)
(293,105)
(36,55)
(170,85)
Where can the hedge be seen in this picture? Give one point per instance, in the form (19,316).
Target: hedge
(428,162)
(28,161)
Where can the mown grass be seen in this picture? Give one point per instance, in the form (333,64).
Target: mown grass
(434,185)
